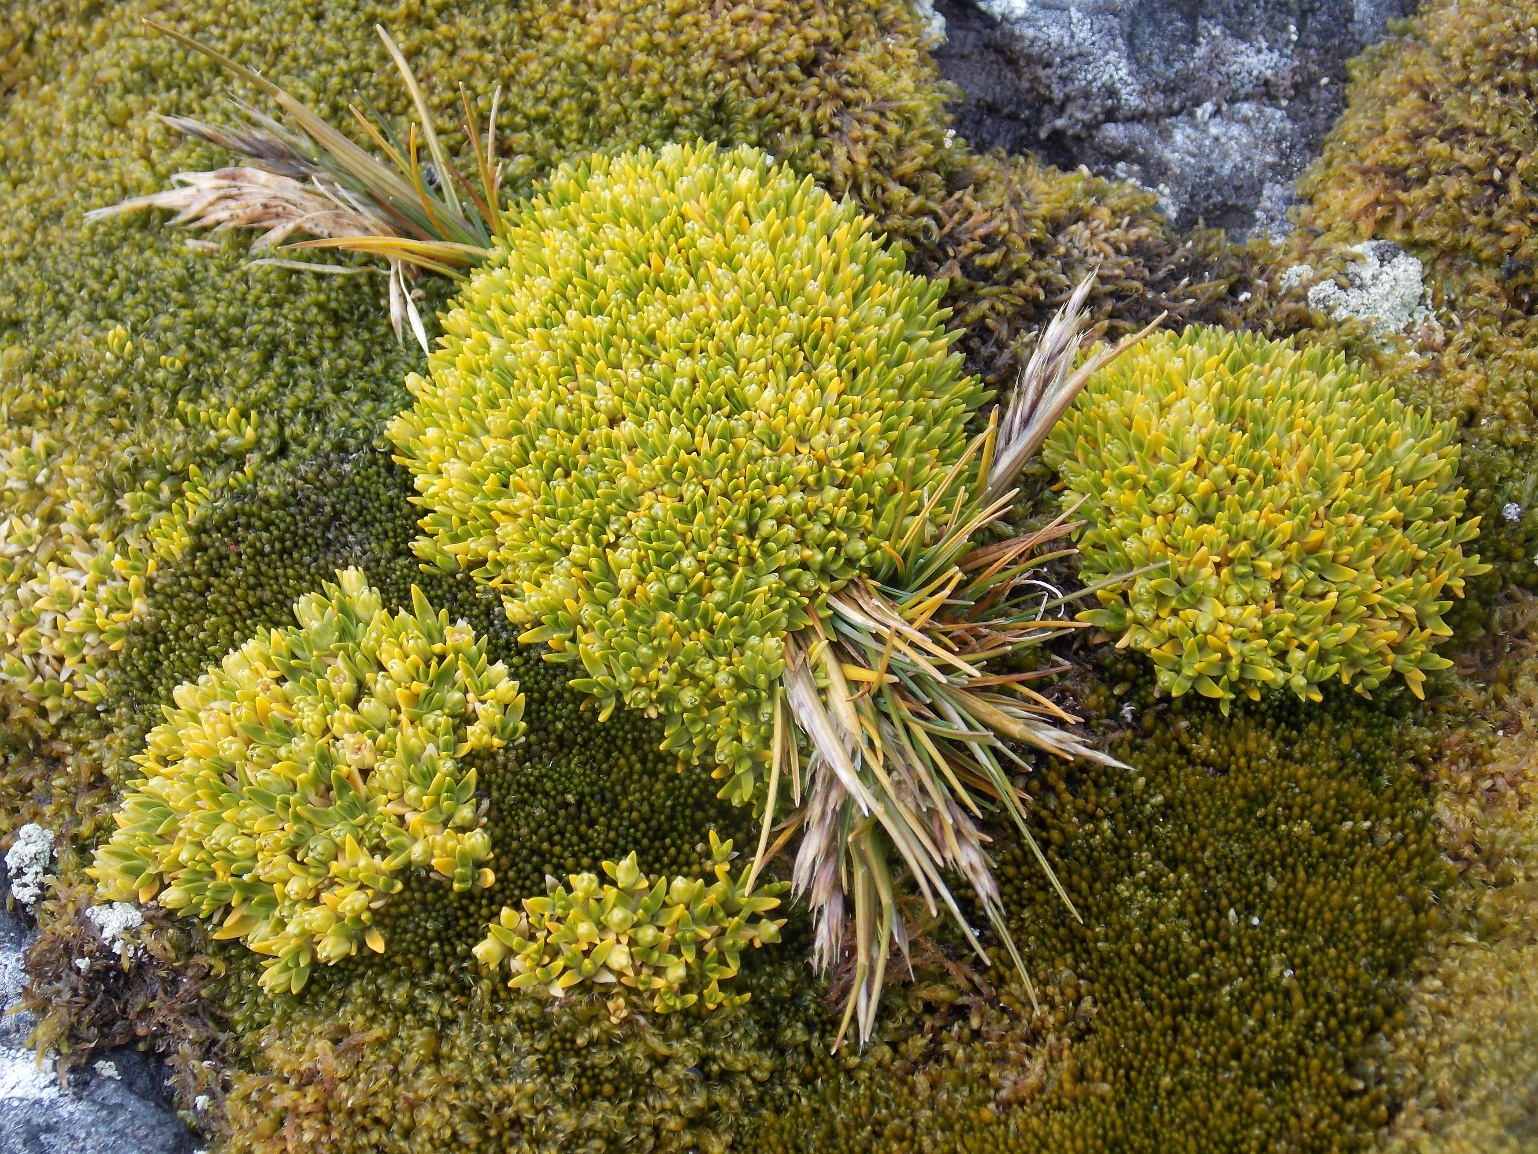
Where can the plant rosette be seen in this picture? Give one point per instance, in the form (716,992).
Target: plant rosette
(292,784)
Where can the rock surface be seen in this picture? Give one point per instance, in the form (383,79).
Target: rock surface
(1217,105)
(116,1105)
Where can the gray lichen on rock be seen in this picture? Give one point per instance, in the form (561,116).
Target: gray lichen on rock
(1384,290)
(27,862)
(1215,104)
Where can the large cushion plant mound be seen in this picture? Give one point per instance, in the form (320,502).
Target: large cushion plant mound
(684,399)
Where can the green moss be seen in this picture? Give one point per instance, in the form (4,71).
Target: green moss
(424,1066)
(1436,150)
(1304,524)
(37,38)
(1014,236)
(1465,1060)
(1254,891)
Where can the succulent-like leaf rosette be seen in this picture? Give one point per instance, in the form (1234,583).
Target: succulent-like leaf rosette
(674,941)
(291,786)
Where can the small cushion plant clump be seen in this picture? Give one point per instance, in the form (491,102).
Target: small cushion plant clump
(1284,520)
(645,933)
(66,592)
(294,783)
(688,395)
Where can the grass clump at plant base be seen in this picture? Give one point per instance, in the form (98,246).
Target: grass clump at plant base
(1300,524)
(1256,892)
(731,426)
(1437,151)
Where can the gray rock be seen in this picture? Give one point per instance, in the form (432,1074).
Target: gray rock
(1217,105)
(118,1104)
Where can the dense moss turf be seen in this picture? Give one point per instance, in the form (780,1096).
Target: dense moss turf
(1254,892)
(1437,150)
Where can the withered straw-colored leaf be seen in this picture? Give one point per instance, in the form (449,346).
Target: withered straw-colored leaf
(250,198)
(910,760)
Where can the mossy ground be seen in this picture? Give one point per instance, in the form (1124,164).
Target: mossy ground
(1254,890)
(275,388)
(1464,1059)
(1436,150)
(425,1050)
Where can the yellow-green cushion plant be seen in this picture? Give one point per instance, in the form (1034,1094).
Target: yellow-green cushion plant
(290,787)
(66,593)
(677,405)
(673,941)
(1293,522)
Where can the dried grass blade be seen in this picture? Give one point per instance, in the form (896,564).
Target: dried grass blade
(776,757)
(425,113)
(815,722)
(310,266)
(1064,396)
